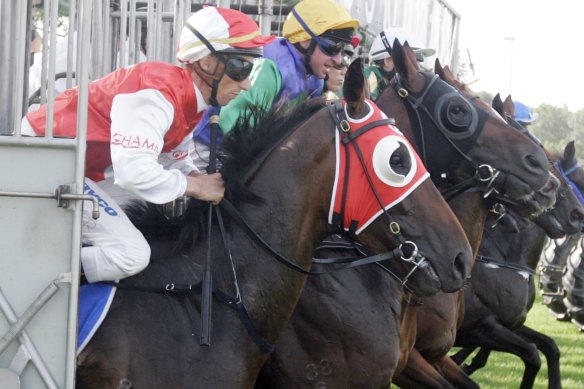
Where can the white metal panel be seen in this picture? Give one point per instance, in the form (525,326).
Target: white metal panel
(35,249)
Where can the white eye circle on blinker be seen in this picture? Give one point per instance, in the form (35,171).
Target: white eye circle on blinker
(382,154)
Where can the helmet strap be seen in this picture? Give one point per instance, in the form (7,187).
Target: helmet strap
(213,99)
(307,53)
(211,79)
(387,74)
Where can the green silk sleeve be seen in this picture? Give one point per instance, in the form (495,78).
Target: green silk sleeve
(266,82)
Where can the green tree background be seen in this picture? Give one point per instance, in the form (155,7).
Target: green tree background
(556,126)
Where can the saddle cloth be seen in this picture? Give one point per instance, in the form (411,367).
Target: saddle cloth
(94,303)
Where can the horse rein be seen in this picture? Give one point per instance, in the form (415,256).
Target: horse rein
(407,251)
(485,174)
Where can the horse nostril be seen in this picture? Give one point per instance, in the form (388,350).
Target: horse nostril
(577,216)
(460,265)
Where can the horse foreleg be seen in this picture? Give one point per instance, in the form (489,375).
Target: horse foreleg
(454,374)
(478,362)
(492,335)
(550,349)
(460,356)
(419,374)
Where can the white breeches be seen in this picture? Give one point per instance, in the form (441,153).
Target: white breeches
(113,246)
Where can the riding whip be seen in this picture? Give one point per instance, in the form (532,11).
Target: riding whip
(207,287)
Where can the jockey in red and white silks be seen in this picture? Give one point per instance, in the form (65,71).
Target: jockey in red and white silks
(139,133)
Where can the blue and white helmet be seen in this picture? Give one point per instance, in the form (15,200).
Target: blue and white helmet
(523,114)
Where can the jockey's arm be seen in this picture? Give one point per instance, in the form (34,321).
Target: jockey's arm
(142,119)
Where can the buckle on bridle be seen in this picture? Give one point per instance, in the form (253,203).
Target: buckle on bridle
(394,228)
(345,126)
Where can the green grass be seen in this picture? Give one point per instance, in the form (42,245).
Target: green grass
(505,370)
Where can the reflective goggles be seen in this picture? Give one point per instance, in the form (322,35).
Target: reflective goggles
(237,68)
(329,47)
(345,62)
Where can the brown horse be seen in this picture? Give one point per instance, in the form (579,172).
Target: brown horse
(280,175)
(437,317)
(502,289)
(345,329)
(331,329)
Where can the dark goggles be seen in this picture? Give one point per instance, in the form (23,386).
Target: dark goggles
(329,47)
(238,69)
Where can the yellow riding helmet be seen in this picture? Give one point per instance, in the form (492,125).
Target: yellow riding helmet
(319,16)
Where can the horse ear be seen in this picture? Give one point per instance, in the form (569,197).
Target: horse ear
(438,69)
(355,88)
(411,54)
(509,107)
(497,104)
(570,151)
(403,65)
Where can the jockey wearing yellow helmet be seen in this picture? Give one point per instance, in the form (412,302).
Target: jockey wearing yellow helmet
(293,67)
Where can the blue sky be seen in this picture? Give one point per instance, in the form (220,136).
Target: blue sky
(542,64)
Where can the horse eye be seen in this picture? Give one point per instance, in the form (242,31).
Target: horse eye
(457,115)
(400,161)
(456,110)
(394,162)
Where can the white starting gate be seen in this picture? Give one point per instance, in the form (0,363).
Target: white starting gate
(40,214)
(41,179)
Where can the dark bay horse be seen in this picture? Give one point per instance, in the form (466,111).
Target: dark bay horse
(345,329)
(502,289)
(281,176)
(333,346)
(438,316)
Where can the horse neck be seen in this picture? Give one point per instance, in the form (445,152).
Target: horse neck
(296,184)
(471,211)
(522,248)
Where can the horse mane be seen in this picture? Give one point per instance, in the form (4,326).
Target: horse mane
(253,137)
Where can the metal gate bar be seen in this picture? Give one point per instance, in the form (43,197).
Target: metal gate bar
(23,336)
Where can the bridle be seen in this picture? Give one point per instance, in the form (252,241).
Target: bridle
(406,251)
(348,136)
(427,109)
